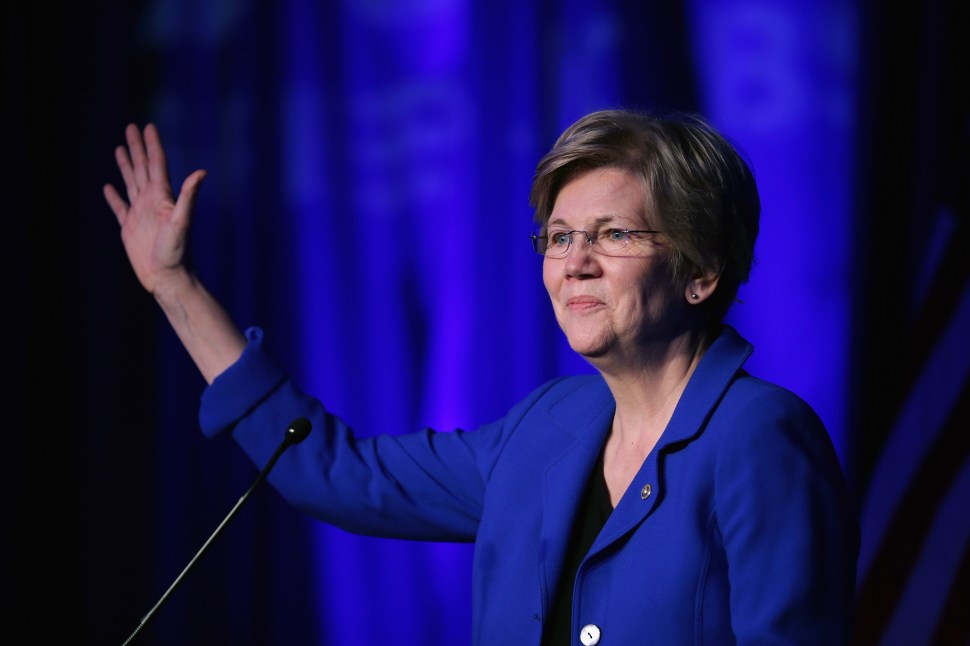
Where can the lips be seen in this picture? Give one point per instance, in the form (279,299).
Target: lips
(581,303)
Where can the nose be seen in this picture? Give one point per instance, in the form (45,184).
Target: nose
(580,259)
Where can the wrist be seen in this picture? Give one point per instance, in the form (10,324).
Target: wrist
(171,286)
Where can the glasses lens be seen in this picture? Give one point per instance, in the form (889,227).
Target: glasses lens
(614,241)
(557,242)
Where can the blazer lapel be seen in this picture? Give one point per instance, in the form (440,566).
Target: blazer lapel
(583,418)
(707,385)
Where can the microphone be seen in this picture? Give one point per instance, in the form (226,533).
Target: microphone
(296,432)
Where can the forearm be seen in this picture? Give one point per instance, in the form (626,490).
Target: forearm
(205,329)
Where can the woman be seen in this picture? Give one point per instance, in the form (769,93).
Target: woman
(670,499)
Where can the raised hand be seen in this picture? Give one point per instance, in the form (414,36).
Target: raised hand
(155,230)
(154,225)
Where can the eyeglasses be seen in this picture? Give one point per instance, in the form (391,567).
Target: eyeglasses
(609,242)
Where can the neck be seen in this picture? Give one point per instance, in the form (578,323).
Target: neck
(647,387)
(645,402)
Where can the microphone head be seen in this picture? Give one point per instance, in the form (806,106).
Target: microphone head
(298,430)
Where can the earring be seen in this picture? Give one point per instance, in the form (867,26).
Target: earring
(694,297)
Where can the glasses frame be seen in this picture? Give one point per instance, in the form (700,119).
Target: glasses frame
(589,241)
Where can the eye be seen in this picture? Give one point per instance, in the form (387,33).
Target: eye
(617,235)
(559,238)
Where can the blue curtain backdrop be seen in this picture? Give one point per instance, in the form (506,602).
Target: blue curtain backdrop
(367,206)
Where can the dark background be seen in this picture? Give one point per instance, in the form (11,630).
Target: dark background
(106,504)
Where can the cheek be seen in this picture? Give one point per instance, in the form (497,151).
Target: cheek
(549,277)
(634,308)
(648,292)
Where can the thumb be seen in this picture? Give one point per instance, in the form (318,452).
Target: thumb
(189,192)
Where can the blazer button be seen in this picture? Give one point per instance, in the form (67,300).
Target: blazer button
(645,492)
(590,635)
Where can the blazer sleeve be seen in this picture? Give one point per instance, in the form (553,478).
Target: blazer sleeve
(788,524)
(427,485)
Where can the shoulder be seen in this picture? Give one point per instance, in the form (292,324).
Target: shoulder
(569,386)
(755,399)
(770,445)
(758,421)
(561,403)
(576,388)
(747,401)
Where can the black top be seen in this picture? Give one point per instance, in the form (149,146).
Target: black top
(595,509)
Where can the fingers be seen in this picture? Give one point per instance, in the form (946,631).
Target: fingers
(157,164)
(136,149)
(127,173)
(144,167)
(117,204)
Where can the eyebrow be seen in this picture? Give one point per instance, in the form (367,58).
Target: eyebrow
(603,219)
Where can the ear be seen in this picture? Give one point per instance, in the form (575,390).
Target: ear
(701,287)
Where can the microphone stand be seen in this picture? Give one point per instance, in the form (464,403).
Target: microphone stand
(295,433)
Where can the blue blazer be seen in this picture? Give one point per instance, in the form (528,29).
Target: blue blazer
(738,528)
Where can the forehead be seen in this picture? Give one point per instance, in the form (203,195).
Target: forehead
(599,196)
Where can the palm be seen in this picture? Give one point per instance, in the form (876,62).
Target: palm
(153,236)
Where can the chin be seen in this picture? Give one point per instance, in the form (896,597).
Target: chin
(590,348)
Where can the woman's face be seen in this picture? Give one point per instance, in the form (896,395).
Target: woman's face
(612,308)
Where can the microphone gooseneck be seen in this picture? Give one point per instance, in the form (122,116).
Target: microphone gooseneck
(296,432)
